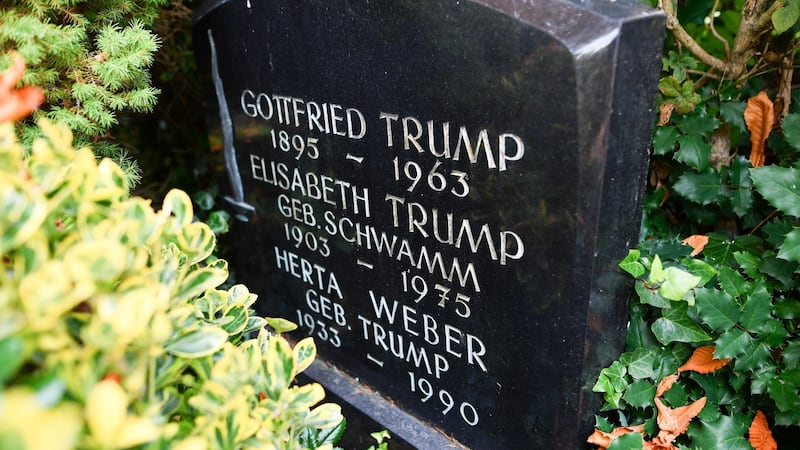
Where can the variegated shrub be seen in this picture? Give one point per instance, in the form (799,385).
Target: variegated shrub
(113,333)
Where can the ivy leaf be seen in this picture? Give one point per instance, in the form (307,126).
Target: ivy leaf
(791,130)
(677,283)
(640,393)
(677,326)
(726,432)
(632,265)
(756,310)
(640,362)
(786,16)
(703,188)
(790,249)
(656,271)
(650,297)
(780,186)
(693,151)
(706,272)
(734,343)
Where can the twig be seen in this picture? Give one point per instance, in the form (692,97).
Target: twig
(687,41)
(714,30)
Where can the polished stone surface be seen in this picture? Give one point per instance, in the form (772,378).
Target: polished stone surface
(439,192)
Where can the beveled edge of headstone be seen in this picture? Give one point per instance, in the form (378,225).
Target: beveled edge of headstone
(584,27)
(207,6)
(398,422)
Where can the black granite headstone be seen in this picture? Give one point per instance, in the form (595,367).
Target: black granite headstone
(438,191)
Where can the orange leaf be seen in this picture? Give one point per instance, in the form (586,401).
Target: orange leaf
(697,242)
(603,439)
(760,434)
(665,384)
(674,422)
(703,361)
(16,104)
(759,115)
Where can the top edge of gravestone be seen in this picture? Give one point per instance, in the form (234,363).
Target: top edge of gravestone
(611,9)
(584,26)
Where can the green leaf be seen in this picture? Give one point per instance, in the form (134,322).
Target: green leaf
(756,359)
(697,123)
(656,271)
(742,193)
(632,265)
(790,249)
(664,140)
(677,283)
(12,355)
(748,262)
(733,113)
(756,310)
(786,16)
(198,343)
(677,326)
(720,249)
(780,186)
(640,394)
(783,393)
(700,268)
(603,424)
(791,130)
(611,379)
(280,325)
(628,441)
(732,282)
(650,297)
(787,309)
(717,308)
(703,188)
(694,151)
(778,269)
(640,362)
(791,354)
(200,280)
(724,433)
(734,343)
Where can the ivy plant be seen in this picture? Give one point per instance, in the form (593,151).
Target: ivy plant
(718,264)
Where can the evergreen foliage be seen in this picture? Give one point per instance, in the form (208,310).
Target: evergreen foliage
(91,57)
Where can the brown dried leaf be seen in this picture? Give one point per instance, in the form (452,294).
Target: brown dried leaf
(665,112)
(760,434)
(759,115)
(665,384)
(703,361)
(16,104)
(674,422)
(697,242)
